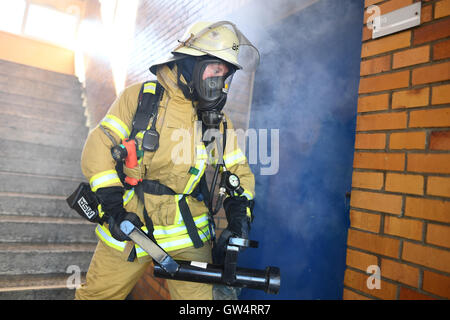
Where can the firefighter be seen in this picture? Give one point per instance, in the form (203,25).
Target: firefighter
(195,80)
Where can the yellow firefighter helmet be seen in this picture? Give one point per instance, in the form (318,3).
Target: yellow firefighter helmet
(220,39)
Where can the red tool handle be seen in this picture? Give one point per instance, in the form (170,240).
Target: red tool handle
(132,181)
(131,159)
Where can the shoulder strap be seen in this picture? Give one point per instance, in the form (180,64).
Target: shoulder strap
(149,97)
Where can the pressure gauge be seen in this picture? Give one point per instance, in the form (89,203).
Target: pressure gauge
(233,182)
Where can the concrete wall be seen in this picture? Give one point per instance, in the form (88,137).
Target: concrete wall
(36,53)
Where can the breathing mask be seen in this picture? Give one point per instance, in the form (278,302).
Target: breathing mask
(208,83)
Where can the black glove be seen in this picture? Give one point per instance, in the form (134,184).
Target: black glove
(111,199)
(238,225)
(220,247)
(236,213)
(114,224)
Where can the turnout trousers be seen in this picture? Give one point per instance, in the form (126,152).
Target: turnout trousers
(112,277)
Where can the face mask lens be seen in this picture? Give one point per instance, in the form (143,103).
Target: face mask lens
(213,79)
(215,70)
(212,87)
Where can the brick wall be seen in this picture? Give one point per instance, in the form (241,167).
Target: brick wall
(400,201)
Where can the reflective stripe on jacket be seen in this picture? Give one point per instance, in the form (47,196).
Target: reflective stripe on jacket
(169,238)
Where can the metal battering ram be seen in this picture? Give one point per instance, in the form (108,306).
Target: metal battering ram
(228,274)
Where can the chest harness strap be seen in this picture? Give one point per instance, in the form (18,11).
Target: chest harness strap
(146,110)
(156,188)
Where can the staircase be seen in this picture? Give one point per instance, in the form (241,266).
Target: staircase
(42,130)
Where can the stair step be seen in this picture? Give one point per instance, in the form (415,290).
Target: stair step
(34,258)
(39,184)
(62,116)
(28,72)
(28,129)
(47,125)
(15,229)
(22,204)
(39,287)
(35,165)
(17,282)
(24,117)
(40,90)
(46,139)
(70,153)
(43,129)
(48,292)
(32,158)
(47,105)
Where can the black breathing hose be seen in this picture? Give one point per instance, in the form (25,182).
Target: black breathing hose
(216,173)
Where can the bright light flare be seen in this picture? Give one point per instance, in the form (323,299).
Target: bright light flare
(51,25)
(11,15)
(112,39)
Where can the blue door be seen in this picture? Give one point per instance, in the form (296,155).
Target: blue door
(306,87)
